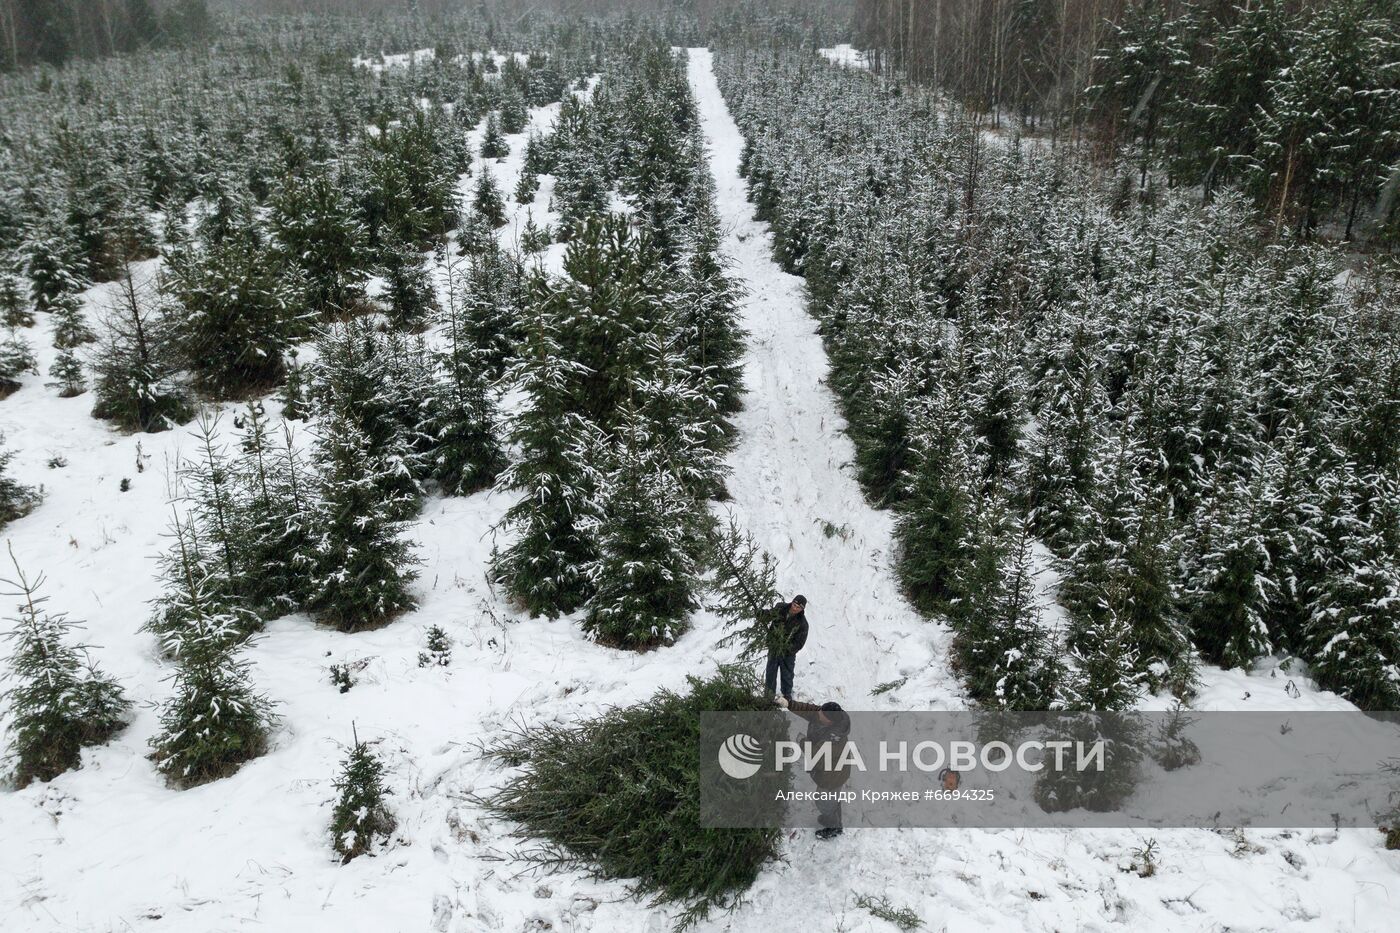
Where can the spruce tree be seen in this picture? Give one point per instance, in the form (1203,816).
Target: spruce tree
(372,381)
(59,701)
(66,371)
(137,363)
(525,189)
(16,359)
(544,568)
(273,501)
(16,499)
(215,719)
(534,239)
(936,511)
(514,112)
(313,220)
(645,576)
(683,424)
(1230,588)
(1006,654)
(1106,667)
(487,200)
(580,191)
(238,313)
(408,288)
(476,235)
(491,311)
(293,395)
(197,587)
(363,567)
(15,310)
(52,264)
(467,454)
(707,322)
(493,141)
(1350,638)
(605,305)
(360,815)
(745,589)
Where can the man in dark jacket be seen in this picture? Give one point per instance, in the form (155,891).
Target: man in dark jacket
(827,725)
(786,638)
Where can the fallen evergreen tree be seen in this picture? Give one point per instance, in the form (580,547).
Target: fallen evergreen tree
(620,794)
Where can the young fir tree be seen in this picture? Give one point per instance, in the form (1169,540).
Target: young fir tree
(580,191)
(66,371)
(492,305)
(70,327)
(467,454)
(437,648)
(1127,559)
(1106,672)
(476,235)
(363,566)
(604,306)
(707,323)
(317,231)
(215,720)
(1229,587)
(196,587)
(493,141)
(16,499)
(360,815)
(544,568)
(514,112)
(1013,665)
(408,288)
(1350,638)
(15,310)
(534,238)
(52,264)
(238,313)
(16,359)
(137,363)
(273,493)
(487,200)
(745,588)
(684,426)
(525,189)
(293,395)
(936,510)
(357,378)
(645,577)
(59,702)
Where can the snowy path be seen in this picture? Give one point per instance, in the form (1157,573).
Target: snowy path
(792,470)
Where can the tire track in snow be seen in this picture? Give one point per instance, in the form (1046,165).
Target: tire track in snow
(792,469)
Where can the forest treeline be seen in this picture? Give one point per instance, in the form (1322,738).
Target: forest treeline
(55,31)
(1297,102)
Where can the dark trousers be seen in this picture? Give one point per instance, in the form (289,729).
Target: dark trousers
(776,663)
(829,813)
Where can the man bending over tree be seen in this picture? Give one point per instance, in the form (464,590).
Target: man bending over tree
(786,637)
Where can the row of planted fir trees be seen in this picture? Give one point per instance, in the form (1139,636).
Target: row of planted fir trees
(629,366)
(1190,422)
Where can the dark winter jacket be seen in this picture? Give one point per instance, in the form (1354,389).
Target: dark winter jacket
(789,632)
(828,774)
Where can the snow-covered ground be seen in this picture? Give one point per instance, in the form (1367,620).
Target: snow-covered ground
(846,55)
(110,847)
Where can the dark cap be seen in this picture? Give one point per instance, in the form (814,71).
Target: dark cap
(800,600)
